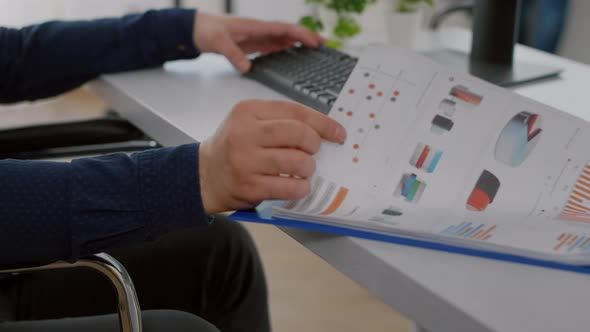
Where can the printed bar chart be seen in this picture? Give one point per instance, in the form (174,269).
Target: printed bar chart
(392,212)
(462,93)
(441,124)
(468,230)
(425,157)
(484,192)
(577,207)
(570,242)
(336,202)
(448,106)
(410,187)
(325,198)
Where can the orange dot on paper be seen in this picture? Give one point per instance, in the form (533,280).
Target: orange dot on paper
(371,86)
(349,113)
(379,94)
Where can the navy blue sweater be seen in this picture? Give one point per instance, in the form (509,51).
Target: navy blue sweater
(51,211)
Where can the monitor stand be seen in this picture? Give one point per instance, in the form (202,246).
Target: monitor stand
(495,27)
(499,74)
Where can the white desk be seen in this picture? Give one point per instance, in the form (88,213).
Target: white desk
(440,291)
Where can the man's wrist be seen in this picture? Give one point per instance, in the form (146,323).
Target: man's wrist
(170,189)
(174,30)
(204,180)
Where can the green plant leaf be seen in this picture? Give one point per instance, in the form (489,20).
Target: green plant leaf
(346,27)
(335,44)
(311,23)
(348,6)
(409,6)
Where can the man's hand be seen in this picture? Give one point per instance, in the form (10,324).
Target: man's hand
(236,37)
(262,151)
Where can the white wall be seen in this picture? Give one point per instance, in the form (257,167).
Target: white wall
(16,13)
(210,6)
(373,20)
(23,12)
(276,10)
(20,12)
(576,42)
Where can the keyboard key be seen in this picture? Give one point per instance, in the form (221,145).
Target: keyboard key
(313,77)
(334,90)
(325,98)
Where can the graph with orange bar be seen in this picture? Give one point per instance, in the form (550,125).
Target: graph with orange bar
(462,93)
(569,242)
(469,230)
(336,202)
(577,207)
(326,197)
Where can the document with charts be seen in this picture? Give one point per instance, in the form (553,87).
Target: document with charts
(448,158)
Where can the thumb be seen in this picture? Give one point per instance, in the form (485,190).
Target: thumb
(229,48)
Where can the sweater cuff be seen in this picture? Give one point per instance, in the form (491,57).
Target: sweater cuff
(117,199)
(173,29)
(170,189)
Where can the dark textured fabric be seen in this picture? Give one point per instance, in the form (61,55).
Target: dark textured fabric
(52,211)
(213,272)
(152,321)
(51,58)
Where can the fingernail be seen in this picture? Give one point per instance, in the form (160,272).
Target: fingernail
(341,134)
(244,66)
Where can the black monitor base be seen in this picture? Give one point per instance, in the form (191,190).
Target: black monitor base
(502,75)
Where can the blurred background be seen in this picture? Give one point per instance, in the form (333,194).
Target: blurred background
(306,294)
(554,25)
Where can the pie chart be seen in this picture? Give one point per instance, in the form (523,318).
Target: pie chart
(518,138)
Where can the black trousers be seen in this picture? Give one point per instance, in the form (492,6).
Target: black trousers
(213,272)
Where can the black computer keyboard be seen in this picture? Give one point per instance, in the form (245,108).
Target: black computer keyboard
(313,77)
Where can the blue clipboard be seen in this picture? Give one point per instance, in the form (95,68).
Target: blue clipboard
(257,217)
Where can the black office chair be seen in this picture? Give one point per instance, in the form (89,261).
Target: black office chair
(129,310)
(110,133)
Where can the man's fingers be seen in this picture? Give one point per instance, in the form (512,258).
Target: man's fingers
(233,53)
(326,127)
(256,29)
(307,37)
(286,161)
(263,46)
(282,188)
(289,133)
